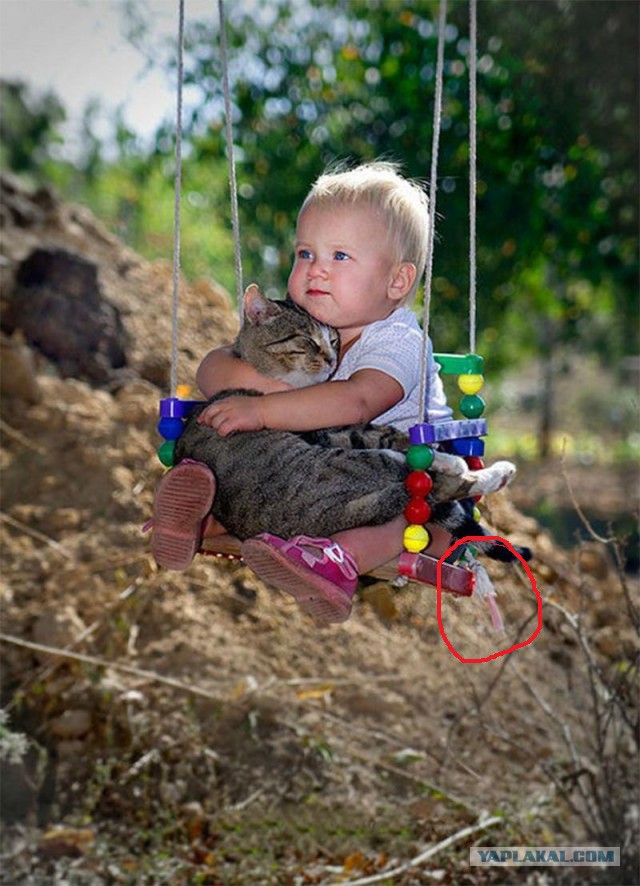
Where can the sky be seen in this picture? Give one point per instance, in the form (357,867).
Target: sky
(77,48)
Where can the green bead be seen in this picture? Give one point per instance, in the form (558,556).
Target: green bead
(472,406)
(166,453)
(420,457)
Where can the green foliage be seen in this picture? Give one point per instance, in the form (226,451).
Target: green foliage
(28,128)
(138,202)
(315,83)
(557,213)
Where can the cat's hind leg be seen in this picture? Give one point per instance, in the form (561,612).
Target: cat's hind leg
(493,478)
(453,480)
(375,507)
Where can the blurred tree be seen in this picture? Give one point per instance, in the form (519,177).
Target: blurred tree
(29,128)
(557,148)
(317,82)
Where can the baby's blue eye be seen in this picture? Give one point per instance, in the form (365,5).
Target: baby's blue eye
(304,253)
(341,256)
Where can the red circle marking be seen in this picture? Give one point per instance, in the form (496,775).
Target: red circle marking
(470,539)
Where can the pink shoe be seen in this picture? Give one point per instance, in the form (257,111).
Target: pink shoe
(182,503)
(317,572)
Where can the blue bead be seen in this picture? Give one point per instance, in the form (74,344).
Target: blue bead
(170,428)
(467,446)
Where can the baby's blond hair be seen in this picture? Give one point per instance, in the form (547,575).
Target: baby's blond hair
(379,185)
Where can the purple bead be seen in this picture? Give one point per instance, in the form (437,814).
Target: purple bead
(173,407)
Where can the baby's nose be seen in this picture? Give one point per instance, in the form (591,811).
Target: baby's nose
(318,268)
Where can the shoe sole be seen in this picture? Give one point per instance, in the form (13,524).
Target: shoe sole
(183,500)
(314,595)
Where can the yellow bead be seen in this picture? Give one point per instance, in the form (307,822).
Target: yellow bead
(416,538)
(477,516)
(470,384)
(183,391)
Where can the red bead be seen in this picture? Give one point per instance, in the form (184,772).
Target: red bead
(417,511)
(474,462)
(418,483)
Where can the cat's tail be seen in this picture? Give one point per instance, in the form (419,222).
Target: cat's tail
(497,551)
(464,525)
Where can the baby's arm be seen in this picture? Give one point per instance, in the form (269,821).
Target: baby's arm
(221,370)
(360,398)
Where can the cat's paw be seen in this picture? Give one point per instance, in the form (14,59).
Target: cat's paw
(449,465)
(493,478)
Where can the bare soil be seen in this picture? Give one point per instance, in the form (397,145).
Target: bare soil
(208,732)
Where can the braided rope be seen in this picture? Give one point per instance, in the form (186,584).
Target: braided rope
(433,187)
(176,206)
(233,187)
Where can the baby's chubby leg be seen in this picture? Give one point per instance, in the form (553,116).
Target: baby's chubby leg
(321,574)
(373,546)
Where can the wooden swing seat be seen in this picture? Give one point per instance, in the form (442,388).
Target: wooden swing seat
(421,568)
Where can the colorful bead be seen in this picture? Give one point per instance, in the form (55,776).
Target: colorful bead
(420,457)
(418,483)
(166,453)
(474,463)
(417,511)
(467,446)
(416,538)
(170,428)
(477,516)
(471,406)
(470,384)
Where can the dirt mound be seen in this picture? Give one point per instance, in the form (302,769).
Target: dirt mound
(205,731)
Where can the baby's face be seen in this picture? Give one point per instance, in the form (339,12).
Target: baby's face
(344,267)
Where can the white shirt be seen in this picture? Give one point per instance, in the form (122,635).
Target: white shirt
(394,346)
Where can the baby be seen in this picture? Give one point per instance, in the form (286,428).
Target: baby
(359,257)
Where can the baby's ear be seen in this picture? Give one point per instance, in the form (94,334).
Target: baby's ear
(403,279)
(257,306)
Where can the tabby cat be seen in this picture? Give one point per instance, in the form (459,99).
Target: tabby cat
(319,482)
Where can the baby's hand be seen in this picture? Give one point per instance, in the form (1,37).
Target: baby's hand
(233,414)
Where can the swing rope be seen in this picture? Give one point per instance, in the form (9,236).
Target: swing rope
(176,206)
(425,372)
(178,184)
(233,187)
(473,157)
(433,188)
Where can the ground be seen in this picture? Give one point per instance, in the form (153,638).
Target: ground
(201,730)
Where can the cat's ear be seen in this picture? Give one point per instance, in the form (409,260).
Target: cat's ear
(257,306)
